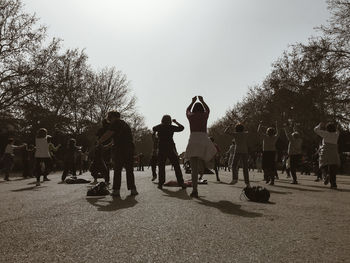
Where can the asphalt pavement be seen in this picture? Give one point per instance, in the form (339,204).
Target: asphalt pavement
(55,222)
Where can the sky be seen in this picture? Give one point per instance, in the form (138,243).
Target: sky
(172,50)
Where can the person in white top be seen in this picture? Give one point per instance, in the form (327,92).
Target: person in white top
(329,159)
(42,156)
(8,157)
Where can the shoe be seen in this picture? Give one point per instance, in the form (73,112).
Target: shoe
(115,193)
(317,180)
(334,187)
(183,186)
(133,192)
(267,181)
(294,182)
(7,179)
(37,184)
(194,194)
(272,183)
(326,180)
(46,179)
(234,181)
(160,187)
(98,190)
(154,178)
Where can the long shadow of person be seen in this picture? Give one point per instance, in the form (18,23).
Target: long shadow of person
(181,194)
(114,204)
(34,188)
(228,207)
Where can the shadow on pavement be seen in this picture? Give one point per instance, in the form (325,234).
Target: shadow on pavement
(114,204)
(228,207)
(278,192)
(35,188)
(297,188)
(14,180)
(181,194)
(326,187)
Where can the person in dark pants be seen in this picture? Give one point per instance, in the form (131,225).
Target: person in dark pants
(216,160)
(141,165)
(154,158)
(123,151)
(28,161)
(167,149)
(70,158)
(294,152)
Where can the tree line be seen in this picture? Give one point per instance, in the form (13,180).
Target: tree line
(44,85)
(308,83)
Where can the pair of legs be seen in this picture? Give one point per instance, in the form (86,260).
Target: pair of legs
(69,166)
(331,174)
(124,157)
(154,167)
(8,165)
(294,163)
(197,167)
(163,155)
(42,168)
(99,166)
(236,158)
(269,166)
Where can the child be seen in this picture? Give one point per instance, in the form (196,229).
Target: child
(269,153)
(70,158)
(241,153)
(329,159)
(42,156)
(8,158)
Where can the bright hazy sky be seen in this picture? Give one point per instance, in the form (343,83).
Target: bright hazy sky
(172,50)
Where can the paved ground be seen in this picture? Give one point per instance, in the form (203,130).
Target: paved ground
(56,223)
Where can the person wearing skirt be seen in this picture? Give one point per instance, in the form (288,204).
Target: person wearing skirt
(329,159)
(200,148)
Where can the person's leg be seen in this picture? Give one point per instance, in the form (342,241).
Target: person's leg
(174,160)
(216,169)
(104,171)
(37,170)
(194,174)
(332,171)
(118,166)
(154,167)
(65,172)
(128,164)
(161,168)
(48,168)
(245,168)
(235,161)
(293,168)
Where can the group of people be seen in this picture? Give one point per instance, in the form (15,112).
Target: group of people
(116,135)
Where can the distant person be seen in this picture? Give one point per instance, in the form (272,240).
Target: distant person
(328,156)
(294,151)
(8,157)
(53,150)
(167,149)
(43,161)
(241,152)
(141,160)
(28,161)
(269,138)
(200,148)
(122,151)
(216,160)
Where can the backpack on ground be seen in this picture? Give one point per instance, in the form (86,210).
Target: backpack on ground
(256,194)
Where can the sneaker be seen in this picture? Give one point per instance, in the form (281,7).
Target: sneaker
(272,183)
(317,180)
(234,181)
(154,178)
(115,193)
(133,192)
(7,179)
(194,194)
(46,179)
(294,182)
(37,184)
(160,187)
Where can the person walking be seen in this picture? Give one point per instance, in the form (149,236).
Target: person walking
(42,156)
(8,157)
(200,148)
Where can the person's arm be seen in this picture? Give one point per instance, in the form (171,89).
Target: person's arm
(155,129)
(206,107)
(179,127)
(188,110)
(19,146)
(276,127)
(259,127)
(318,130)
(107,135)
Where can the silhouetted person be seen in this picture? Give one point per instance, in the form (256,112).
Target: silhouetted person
(294,152)
(167,149)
